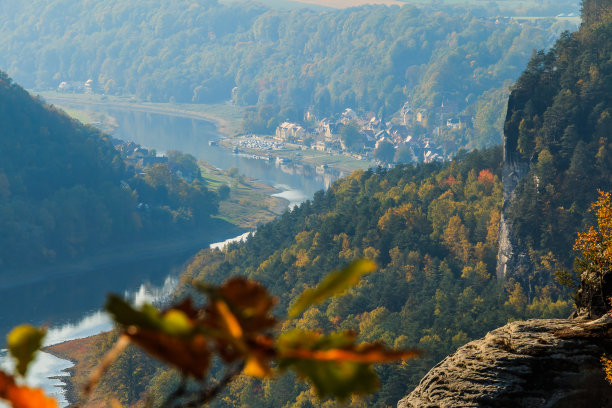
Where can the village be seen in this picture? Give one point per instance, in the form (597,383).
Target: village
(366,137)
(412,135)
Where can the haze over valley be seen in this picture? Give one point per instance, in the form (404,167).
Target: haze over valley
(305,203)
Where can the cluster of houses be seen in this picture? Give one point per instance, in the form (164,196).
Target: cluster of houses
(87,87)
(139,159)
(326,136)
(137,156)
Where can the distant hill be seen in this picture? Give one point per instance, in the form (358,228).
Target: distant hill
(447,59)
(65,191)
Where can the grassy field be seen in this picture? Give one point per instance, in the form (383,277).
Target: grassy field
(250,203)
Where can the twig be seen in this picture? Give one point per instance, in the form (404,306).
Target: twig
(204,396)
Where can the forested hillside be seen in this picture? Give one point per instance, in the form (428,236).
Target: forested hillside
(65,190)
(432,229)
(279,63)
(559,122)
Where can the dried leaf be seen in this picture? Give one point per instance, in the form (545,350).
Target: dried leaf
(191,355)
(249,301)
(172,336)
(23,343)
(334,284)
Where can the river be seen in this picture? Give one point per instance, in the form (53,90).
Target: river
(69,304)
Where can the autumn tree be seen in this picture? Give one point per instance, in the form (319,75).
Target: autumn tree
(594,261)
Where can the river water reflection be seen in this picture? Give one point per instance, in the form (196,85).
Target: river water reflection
(163,133)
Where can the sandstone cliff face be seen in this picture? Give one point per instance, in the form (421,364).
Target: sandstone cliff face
(534,363)
(510,258)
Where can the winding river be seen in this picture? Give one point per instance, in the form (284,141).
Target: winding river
(69,304)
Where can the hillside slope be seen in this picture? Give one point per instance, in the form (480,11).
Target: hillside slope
(65,191)
(432,229)
(279,62)
(558,149)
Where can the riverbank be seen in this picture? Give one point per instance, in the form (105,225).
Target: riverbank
(297,154)
(83,354)
(250,203)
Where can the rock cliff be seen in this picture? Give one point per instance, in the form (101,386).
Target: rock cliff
(509,256)
(534,363)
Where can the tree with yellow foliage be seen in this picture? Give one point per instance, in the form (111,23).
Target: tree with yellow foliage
(594,263)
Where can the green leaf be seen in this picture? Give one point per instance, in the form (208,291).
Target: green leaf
(23,343)
(174,322)
(334,284)
(124,314)
(340,378)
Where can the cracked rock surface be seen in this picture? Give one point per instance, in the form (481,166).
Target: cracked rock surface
(535,363)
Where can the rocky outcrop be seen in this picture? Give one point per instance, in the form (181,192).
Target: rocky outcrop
(534,363)
(509,256)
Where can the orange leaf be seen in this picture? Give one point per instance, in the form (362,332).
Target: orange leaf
(370,354)
(229,320)
(256,366)
(23,397)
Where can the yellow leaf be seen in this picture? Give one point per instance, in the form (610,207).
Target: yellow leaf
(23,342)
(176,322)
(334,284)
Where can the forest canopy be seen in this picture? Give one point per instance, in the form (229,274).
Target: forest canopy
(558,124)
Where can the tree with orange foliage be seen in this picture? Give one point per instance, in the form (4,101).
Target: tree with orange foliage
(594,262)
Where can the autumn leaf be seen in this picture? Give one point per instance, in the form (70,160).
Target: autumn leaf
(336,283)
(335,364)
(173,336)
(175,321)
(247,300)
(23,343)
(190,355)
(23,397)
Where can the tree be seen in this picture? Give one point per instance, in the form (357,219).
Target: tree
(350,136)
(385,151)
(594,261)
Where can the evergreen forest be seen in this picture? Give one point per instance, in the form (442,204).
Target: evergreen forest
(558,125)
